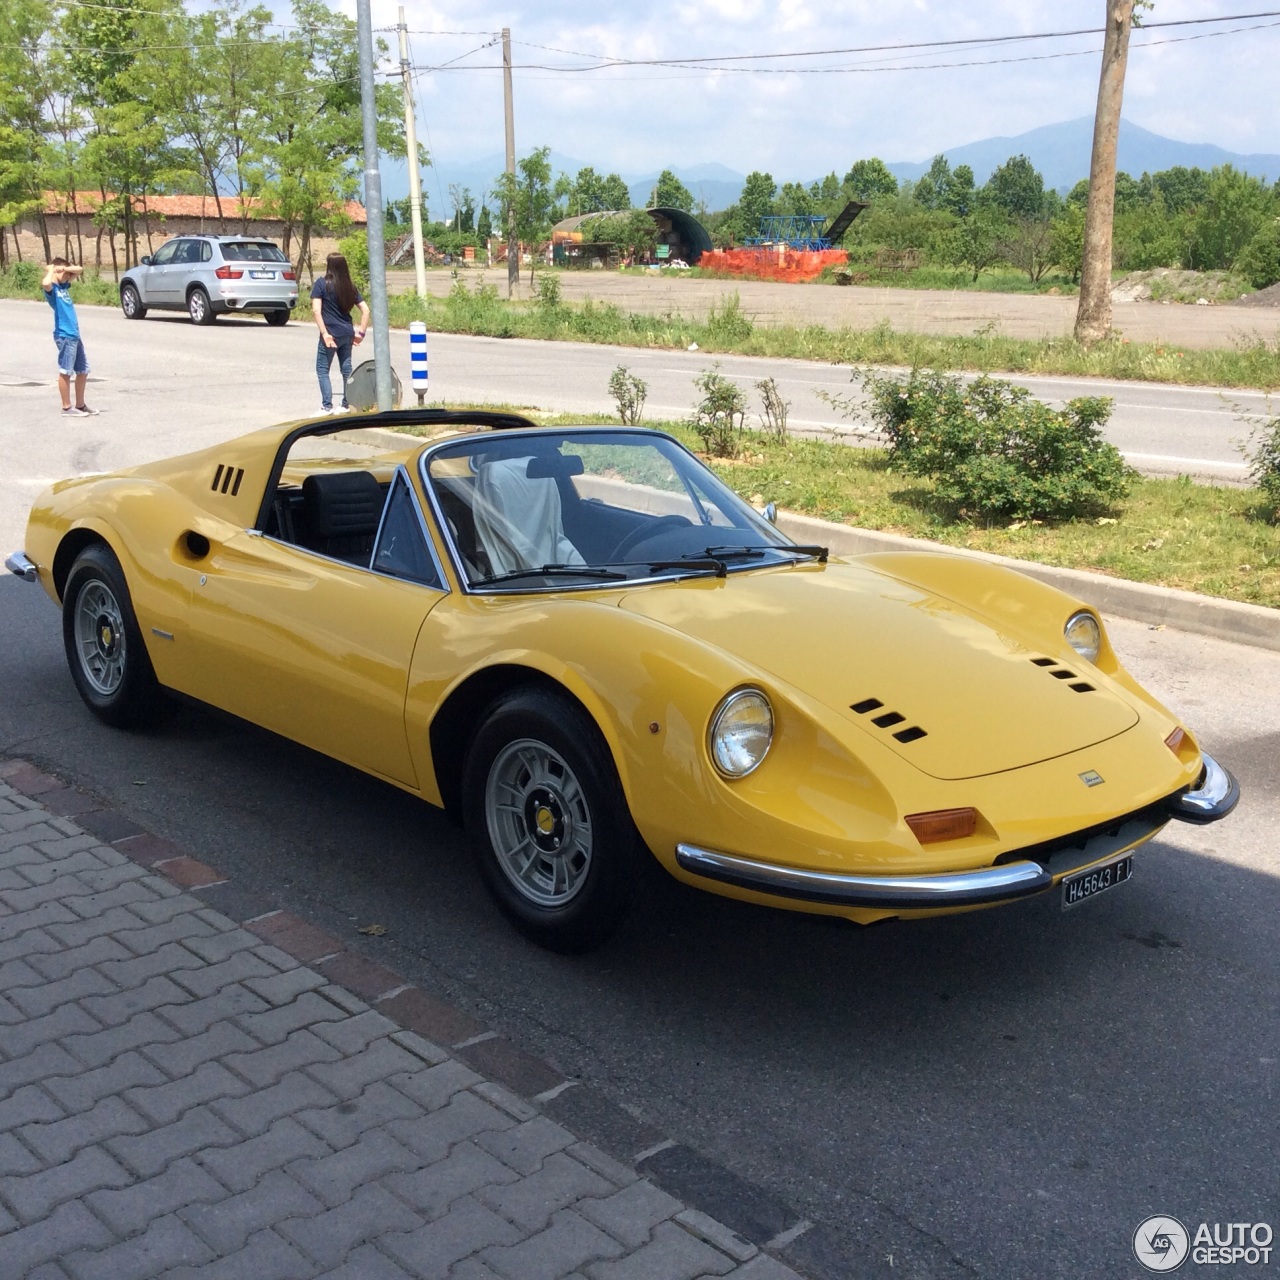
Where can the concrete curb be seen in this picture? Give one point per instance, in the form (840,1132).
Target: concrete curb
(1250,624)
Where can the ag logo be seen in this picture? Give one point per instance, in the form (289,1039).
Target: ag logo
(1161,1243)
(1091,779)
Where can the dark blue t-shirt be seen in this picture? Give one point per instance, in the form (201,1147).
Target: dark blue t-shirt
(336,321)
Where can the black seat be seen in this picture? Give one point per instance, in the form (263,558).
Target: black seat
(343,510)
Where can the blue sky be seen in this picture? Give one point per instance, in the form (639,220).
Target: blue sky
(798,126)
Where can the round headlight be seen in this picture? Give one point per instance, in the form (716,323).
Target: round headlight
(1084,635)
(741,731)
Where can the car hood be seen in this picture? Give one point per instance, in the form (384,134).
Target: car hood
(846,635)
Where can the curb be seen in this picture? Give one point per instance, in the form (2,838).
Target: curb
(1250,624)
(734,1215)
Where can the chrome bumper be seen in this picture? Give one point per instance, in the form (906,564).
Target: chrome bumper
(18,563)
(900,893)
(1213,797)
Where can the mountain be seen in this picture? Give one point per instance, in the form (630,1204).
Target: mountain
(1061,153)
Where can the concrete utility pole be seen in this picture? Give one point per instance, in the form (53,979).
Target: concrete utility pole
(1093,316)
(373,208)
(411,144)
(513,247)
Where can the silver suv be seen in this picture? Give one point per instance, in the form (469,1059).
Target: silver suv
(207,275)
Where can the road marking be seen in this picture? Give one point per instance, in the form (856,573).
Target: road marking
(1191,462)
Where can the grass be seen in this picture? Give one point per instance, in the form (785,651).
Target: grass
(1170,533)
(728,330)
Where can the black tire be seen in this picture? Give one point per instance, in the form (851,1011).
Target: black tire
(199,308)
(564,801)
(277,318)
(108,660)
(131,303)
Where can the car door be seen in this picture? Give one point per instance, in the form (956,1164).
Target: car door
(154,280)
(313,647)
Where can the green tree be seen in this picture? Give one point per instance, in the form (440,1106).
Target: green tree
(1182,188)
(531,193)
(1016,188)
(1066,238)
(614,193)
(932,188)
(670,193)
(870,180)
(960,195)
(1233,209)
(755,202)
(484,223)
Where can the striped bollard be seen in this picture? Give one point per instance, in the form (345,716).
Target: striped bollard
(418,359)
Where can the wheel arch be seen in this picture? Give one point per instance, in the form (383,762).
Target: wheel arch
(69,549)
(459,714)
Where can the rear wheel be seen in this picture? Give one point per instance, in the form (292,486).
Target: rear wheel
(108,660)
(548,822)
(277,318)
(199,308)
(131,303)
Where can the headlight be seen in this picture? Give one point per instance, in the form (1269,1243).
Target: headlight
(1084,635)
(740,734)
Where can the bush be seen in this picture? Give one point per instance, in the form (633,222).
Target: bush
(548,292)
(355,248)
(995,452)
(726,323)
(1262,451)
(630,393)
(24,276)
(718,416)
(1259,260)
(774,418)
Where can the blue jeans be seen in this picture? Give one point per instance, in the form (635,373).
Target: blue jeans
(324,359)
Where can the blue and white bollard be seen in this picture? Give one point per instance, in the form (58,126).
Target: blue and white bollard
(418,358)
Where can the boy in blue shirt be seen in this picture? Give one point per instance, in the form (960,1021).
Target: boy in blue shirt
(66,335)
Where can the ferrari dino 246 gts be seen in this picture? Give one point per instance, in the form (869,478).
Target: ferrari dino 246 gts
(585,646)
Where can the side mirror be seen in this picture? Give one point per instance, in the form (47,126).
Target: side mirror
(771,513)
(145,261)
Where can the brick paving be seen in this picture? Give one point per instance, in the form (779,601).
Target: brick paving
(181,1095)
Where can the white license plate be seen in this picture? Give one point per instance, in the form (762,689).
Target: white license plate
(262,275)
(1088,884)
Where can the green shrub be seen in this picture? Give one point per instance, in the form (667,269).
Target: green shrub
(1262,450)
(355,248)
(993,451)
(718,416)
(773,419)
(726,323)
(1259,260)
(629,392)
(547,296)
(24,277)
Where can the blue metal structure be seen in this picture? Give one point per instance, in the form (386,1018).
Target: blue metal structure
(799,230)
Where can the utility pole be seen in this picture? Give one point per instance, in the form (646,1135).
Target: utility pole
(513,247)
(1093,315)
(411,143)
(373,209)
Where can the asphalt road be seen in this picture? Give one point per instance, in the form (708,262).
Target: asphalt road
(1007,1093)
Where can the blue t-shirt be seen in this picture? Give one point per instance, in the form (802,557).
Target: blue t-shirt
(65,324)
(336,321)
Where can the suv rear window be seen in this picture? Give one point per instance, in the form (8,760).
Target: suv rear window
(252,251)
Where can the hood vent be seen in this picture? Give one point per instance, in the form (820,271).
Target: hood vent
(227,479)
(886,721)
(1061,673)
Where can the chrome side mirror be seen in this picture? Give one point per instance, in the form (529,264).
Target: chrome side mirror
(771,512)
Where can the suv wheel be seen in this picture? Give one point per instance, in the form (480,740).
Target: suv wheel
(277,318)
(199,307)
(131,303)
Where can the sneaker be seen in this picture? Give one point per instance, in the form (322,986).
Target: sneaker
(84,408)
(70,412)
(324,408)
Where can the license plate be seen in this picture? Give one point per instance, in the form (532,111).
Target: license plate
(1088,884)
(262,275)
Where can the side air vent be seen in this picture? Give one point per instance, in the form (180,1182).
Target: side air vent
(1080,686)
(227,479)
(1064,674)
(910,734)
(1042,662)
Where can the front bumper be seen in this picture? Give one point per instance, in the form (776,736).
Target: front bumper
(1027,872)
(17,562)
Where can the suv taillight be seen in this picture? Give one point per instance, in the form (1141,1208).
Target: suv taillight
(225,273)
(289,275)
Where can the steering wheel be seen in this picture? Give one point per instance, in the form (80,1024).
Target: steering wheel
(647,531)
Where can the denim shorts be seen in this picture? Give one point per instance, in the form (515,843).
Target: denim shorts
(71,357)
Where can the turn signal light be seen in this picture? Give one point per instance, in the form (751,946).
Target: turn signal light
(288,275)
(226,273)
(943,824)
(1174,741)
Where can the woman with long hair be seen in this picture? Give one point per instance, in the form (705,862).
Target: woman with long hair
(332,298)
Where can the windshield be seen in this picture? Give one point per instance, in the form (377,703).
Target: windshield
(546,510)
(252,251)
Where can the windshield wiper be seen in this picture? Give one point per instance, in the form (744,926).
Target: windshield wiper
(692,563)
(724,553)
(550,571)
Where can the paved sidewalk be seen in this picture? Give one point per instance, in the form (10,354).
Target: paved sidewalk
(180,1097)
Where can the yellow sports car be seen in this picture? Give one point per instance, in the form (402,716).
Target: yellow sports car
(583,645)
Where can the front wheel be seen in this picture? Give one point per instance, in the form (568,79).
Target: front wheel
(199,308)
(548,822)
(131,303)
(108,660)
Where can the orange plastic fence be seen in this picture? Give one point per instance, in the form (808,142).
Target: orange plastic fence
(773,262)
